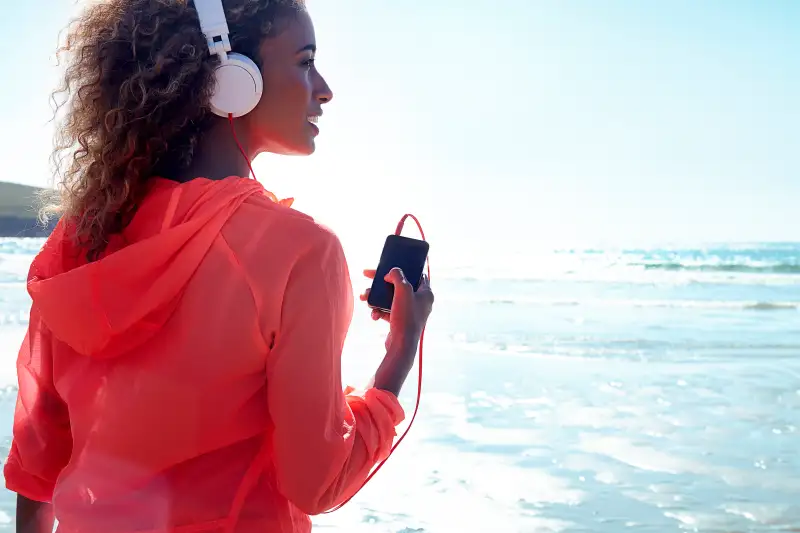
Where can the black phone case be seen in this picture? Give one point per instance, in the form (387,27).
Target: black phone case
(384,302)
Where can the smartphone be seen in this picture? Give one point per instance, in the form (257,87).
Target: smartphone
(398,251)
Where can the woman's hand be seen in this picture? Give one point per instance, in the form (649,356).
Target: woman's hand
(33,516)
(410,312)
(410,308)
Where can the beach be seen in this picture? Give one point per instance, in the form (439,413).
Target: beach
(588,390)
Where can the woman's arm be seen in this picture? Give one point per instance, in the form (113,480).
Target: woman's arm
(324,443)
(410,311)
(33,516)
(396,364)
(42,441)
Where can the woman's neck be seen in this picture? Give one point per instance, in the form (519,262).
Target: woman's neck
(217,155)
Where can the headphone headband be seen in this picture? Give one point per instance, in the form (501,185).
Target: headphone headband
(214,25)
(238,79)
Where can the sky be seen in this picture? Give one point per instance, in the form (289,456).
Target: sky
(516,124)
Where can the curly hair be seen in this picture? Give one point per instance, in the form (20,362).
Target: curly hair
(136,91)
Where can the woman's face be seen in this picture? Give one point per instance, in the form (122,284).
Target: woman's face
(294,91)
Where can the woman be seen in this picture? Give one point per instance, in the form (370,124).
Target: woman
(181,371)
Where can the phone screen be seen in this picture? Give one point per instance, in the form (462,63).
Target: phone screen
(409,255)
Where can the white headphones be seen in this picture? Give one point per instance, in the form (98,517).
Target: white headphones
(238,81)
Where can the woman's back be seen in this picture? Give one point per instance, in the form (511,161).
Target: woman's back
(169,407)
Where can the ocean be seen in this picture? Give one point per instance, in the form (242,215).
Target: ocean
(575,390)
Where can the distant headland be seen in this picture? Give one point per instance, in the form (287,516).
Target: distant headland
(18,211)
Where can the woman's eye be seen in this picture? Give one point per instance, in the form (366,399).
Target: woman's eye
(308,63)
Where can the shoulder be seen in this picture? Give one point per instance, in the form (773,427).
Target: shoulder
(265,232)
(287,258)
(272,219)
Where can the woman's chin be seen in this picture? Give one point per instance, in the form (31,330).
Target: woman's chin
(307,148)
(304,150)
(296,149)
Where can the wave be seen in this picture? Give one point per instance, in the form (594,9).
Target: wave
(14,246)
(601,350)
(667,304)
(735,268)
(773,306)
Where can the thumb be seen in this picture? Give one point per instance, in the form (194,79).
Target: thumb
(396,277)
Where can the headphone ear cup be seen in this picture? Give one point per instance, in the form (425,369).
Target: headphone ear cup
(238,86)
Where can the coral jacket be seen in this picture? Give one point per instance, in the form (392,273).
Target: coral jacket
(190,379)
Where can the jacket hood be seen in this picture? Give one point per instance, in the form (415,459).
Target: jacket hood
(106,307)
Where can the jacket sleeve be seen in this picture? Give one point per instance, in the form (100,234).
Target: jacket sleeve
(42,440)
(325,442)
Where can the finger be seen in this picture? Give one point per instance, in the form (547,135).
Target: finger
(364,296)
(425,282)
(398,279)
(425,292)
(424,287)
(370,273)
(377,314)
(429,298)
